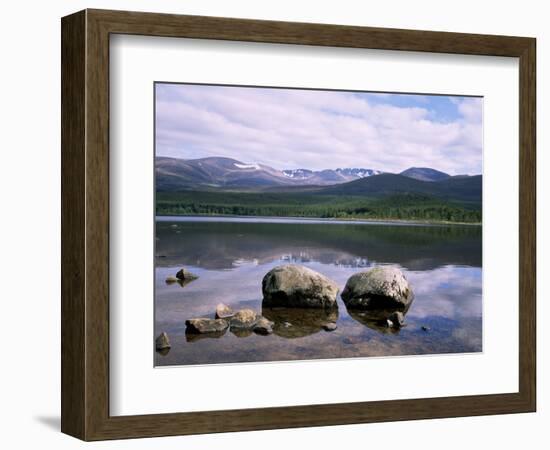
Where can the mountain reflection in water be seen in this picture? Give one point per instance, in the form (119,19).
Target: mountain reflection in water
(443,264)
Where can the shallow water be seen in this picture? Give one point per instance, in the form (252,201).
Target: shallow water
(231,256)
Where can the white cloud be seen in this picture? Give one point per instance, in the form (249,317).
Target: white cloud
(287,128)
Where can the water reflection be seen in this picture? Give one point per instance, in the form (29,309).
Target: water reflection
(163,351)
(376,319)
(293,323)
(194,337)
(226,245)
(443,265)
(181,283)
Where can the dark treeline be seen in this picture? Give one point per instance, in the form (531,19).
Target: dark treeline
(403,206)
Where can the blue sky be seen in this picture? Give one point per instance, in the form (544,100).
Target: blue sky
(315,129)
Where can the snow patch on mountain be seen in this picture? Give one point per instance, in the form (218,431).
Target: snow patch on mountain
(247,166)
(304,174)
(358,172)
(298,174)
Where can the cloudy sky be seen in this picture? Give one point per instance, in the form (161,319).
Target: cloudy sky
(289,128)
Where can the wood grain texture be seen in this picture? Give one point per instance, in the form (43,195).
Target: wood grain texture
(73,269)
(85,224)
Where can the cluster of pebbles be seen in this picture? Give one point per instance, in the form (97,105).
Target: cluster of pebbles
(382,293)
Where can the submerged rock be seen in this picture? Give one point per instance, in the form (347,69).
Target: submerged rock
(162,342)
(378,288)
(223,311)
(263,326)
(184,275)
(331,326)
(204,325)
(295,286)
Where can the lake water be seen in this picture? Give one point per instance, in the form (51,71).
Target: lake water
(231,256)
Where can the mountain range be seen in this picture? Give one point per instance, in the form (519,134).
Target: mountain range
(173,174)
(225,186)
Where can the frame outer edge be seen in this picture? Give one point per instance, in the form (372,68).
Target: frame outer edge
(527,228)
(73,225)
(85,237)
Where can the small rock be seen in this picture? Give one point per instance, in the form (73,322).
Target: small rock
(425,328)
(203,325)
(162,342)
(398,319)
(263,326)
(389,323)
(184,274)
(331,326)
(223,311)
(171,280)
(244,319)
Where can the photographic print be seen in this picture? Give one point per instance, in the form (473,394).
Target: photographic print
(300,224)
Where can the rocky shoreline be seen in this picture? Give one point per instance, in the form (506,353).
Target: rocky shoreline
(298,301)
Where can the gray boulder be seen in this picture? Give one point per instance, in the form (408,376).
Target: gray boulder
(294,286)
(378,288)
(204,325)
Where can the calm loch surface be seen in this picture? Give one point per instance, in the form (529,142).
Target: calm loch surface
(231,256)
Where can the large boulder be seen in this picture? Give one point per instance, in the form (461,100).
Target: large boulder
(378,288)
(294,286)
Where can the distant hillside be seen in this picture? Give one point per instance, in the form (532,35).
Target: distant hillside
(173,174)
(457,189)
(424,174)
(227,186)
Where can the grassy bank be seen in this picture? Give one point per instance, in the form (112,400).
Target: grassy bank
(409,207)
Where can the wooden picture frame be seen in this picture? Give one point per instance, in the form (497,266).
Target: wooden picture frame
(85,224)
